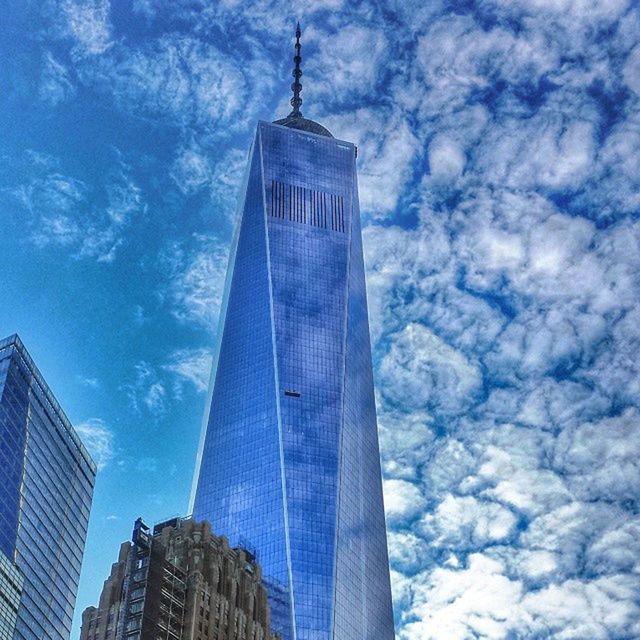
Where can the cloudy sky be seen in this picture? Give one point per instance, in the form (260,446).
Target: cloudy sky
(499,159)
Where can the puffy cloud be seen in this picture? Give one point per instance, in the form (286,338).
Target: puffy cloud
(402,500)
(631,71)
(597,609)
(355,55)
(601,458)
(457,602)
(407,552)
(387,147)
(405,441)
(522,267)
(557,154)
(422,370)
(446,159)
(461,519)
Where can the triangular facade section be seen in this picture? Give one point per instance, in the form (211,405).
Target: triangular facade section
(239,487)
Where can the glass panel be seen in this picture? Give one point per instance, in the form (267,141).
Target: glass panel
(44,497)
(240,486)
(292,411)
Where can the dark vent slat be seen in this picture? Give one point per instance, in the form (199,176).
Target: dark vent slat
(307,206)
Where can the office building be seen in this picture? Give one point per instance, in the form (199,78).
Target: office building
(46,485)
(180,582)
(289,458)
(10,591)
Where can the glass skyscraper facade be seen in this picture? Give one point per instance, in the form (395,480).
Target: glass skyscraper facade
(289,462)
(10,591)
(46,485)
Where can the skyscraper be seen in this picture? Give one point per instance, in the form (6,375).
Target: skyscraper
(46,485)
(10,591)
(289,459)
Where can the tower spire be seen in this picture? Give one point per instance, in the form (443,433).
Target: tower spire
(296,87)
(295,120)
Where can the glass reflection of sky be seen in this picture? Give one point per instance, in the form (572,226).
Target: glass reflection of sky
(292,411)
(46,485)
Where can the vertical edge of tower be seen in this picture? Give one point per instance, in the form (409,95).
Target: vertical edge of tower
(362,599)
(292,608)
(221,323)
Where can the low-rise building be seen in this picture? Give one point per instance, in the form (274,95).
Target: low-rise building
(180,582)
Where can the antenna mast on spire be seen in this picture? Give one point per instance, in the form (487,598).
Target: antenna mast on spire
(296,87)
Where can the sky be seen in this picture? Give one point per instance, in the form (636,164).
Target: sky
(499,164)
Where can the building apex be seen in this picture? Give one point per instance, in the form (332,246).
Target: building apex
(295,120)
(296,87)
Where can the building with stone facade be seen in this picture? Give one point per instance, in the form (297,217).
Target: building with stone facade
(180,582)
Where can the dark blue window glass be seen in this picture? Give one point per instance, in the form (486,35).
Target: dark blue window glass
(290,463)
(46,485)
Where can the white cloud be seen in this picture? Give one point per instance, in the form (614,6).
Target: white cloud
(192,365)
(98,438)
(154,398)
(86,381)
(456,58)
(600,609)
(602,459)
(180,80)
(55,84)
(421,370)
(631,71)
(191,170)
(355,55)
(65,212)
(456,604)
(89,24)
(146,391)
(197,280)
(405,440)
(387,147)
(459,520)
(402,500)
(152,390)
(446,159)
(407,551)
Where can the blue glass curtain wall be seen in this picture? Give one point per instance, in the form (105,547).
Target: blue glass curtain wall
(290,465)
(55,478)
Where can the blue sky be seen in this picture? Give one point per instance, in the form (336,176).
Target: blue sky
(499,147)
